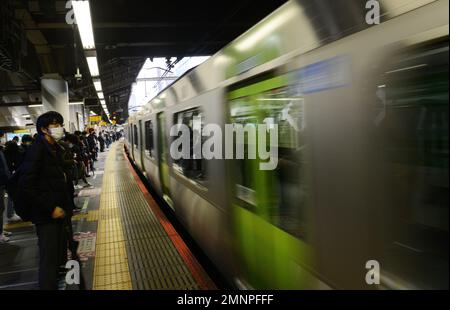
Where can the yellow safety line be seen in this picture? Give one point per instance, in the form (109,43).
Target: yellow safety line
(111,271)
(17,225)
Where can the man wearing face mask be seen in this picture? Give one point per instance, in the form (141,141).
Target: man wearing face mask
(43,185)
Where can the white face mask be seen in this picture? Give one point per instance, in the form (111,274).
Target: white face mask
(56,133)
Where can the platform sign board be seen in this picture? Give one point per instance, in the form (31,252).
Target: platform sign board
(24,131)
(95,119)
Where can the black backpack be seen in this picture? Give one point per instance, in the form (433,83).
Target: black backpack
(21,206)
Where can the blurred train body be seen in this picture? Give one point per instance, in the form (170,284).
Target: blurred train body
(362,156)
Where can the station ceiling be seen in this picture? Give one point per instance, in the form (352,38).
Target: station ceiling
(126,33)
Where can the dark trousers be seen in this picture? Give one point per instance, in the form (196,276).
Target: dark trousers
(52,253)
(2,207)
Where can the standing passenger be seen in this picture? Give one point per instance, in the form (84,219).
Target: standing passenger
(4,176)
(13,159)
(43,185)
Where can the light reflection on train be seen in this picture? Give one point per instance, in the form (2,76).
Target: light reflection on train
(362,155)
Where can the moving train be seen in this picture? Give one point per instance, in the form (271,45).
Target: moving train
(359,198)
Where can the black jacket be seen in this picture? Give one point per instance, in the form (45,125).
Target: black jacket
(22,152)
(43,181)
(5,174)
(92,142)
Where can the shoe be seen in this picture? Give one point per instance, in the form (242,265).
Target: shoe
(3,239)
(14,219)
(7,233)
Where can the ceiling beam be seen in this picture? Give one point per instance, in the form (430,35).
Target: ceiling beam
(112,25)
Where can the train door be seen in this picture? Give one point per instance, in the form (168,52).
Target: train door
(141,147)
(162,159)
(132,137)
(269,207)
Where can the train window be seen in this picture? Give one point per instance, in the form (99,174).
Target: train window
(135,136)
(193,168)
(282,195)
(414,148)
(149,144)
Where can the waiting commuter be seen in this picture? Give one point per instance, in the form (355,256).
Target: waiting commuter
(12,154)
(4,176)
(79,170)
(27,141)
(108,139)
(68,165)
(101,140)
(90,154)
(92,144)
(43,185)
(13,159)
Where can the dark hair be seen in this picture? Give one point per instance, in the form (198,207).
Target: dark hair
(47,119)
(27,138)
(16,138)
(11,149)
(72,139)
(77,133)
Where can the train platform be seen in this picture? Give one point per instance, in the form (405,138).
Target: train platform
(125,240)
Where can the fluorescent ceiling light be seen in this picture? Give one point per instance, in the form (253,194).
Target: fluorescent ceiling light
(101,95)
(26,115)
(98,86)
(76,103)
(93,66)
(82,12)
(36,106)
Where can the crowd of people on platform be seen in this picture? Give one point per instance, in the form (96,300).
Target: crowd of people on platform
(52,164)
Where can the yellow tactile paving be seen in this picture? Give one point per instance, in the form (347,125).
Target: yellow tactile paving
(17,225)
(79,217)
(92,216)
(111,271)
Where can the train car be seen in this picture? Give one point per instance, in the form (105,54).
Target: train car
(362,169)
